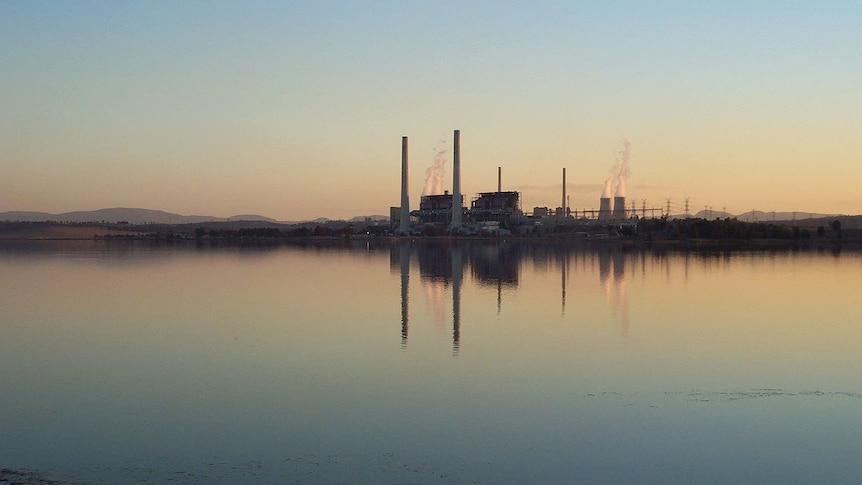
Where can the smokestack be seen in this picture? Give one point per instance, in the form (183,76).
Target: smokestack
(563,205)
(604,208)
(499,179)
(456,183)
(404,223)
(619,209)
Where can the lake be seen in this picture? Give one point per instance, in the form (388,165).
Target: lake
(363,362)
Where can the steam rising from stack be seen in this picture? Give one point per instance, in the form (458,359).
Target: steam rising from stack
(434,174)
(617,178)
(619,172)
(623,157)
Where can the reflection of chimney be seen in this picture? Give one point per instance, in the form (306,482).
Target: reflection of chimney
(605,208)
(456,183)
(457,268)
(563,270)
(619,209)
(404,261)
(404,224)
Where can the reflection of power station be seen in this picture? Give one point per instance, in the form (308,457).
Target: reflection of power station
(498,266)
(435,263)
(613,262)
(445,264)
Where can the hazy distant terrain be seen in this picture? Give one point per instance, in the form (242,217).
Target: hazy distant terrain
(762,216)
(148,216)
(121,214)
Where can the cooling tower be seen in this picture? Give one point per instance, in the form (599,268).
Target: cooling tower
(404,221)
(619,209)
(605,209)
(457,209)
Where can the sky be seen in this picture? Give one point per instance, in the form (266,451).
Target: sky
(295,110)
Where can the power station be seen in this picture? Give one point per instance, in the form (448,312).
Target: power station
(499,212)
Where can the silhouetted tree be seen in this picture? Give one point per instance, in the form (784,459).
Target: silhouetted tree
(836,226)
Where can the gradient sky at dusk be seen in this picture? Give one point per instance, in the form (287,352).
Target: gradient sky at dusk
(295,110)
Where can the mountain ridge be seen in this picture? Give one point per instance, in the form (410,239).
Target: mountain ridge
(125,214)
(134,215)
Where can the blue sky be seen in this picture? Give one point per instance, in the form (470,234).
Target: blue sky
(295,110)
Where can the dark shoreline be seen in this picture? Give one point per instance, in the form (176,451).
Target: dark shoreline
(656,235)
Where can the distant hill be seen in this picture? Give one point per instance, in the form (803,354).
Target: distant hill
(122,214)
(250,218)
(758,216)
(761,216)
(149,216)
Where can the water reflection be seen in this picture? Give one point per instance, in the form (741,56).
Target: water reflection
(442,268)
(606,363)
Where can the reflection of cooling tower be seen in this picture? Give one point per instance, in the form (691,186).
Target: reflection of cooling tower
(605,209)
(619,209)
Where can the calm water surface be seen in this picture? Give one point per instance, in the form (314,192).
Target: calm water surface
(472,363)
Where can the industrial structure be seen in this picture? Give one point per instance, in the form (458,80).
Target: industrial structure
(404,213)
(457,199)
(437,209)
(619,213)
(605,209)
(499,212)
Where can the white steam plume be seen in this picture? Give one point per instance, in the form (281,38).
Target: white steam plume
(614,173)
(623,158)
(434,174)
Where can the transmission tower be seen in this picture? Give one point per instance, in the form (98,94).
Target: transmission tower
(686,207)
(667,201)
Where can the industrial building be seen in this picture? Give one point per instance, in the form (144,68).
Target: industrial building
(497,212)
(436,209)
(501,207)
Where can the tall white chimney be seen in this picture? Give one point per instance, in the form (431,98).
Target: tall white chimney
(404,223)
(457,210)
(563,205)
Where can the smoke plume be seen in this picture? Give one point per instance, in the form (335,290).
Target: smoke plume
(614,173)
(619,172)
(622,163)
(434,173)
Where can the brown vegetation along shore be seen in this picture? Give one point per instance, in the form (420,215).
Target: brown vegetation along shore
(54,231)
